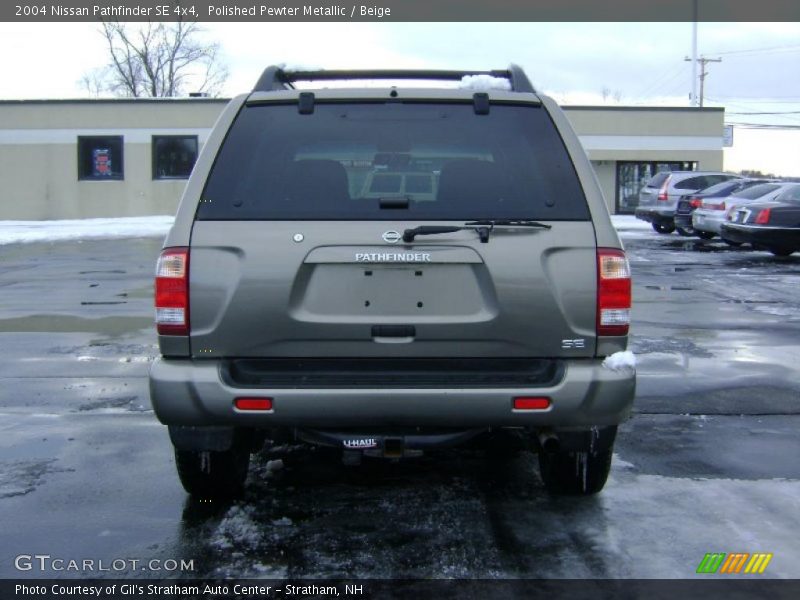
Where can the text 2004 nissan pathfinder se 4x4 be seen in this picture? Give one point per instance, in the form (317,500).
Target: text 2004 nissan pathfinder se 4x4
(388,270)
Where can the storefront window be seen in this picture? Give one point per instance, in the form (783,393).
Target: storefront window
(173,156)
(100,158)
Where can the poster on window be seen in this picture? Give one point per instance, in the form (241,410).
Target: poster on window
(101,161)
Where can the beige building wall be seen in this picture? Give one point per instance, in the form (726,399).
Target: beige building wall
(647,134)
(39,150)
(39,156)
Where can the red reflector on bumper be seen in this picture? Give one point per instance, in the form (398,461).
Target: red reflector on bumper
(531,403)
(253,403)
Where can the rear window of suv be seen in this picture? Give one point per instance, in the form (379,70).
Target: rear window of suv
(343,161)
(657,179)
(701,181)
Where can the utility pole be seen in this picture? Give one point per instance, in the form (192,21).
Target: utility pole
(703,62)
(694,53)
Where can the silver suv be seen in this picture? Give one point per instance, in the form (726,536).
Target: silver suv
(658,199)
(388,270)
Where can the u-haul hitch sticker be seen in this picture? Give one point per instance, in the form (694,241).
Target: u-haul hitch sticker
(361,443)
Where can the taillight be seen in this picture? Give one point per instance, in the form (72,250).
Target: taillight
(253,403)
(662,193)
(172,292)
(531,403)
(762,218)
(695,202)
(613,292)
(720,206)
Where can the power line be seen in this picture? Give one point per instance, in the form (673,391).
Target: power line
(663,77)
(784,48)
(783,112)
(753,100)
(744,125)
(785,117)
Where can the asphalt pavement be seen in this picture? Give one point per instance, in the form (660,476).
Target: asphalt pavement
(708,463)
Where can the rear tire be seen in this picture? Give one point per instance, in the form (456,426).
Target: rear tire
(780,251)
(705,235)
(733,244)
(686,232)
(660,228)
(208,474)
(579,472)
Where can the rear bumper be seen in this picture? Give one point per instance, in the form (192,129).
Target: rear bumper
(779,237)
(683,220)
(708,221)
(659,216)
(195,393)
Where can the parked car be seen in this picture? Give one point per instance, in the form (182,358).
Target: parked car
(689,202)
(712,211)
(773,225)
(658,199)
(382,276)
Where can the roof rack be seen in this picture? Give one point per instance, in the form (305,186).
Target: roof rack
(275,78)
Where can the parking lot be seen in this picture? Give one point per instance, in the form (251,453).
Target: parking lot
(708,463)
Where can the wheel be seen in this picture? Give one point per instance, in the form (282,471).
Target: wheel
(208,474)
(661,228)
(686,232)
(579,473)
(780,251)
(575,473)
(706,235)
(734,244)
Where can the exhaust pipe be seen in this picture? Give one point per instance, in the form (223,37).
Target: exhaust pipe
(548,441)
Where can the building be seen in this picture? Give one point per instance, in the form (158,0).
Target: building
(67,159)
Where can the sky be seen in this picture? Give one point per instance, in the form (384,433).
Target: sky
(637,64)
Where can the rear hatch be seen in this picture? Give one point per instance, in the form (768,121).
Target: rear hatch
(648,196)
(296,249)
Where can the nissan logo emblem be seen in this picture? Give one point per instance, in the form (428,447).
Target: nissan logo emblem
(391,236)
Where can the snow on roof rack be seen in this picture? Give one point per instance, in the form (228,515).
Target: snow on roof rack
(275,78)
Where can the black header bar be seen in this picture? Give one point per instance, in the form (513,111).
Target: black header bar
(400,10)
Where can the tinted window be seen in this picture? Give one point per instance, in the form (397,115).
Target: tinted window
(341,160)
(657,179)
(756,191)
(694,183)
(173,156)
(387,184)
(724,187)
(419,184)
(100,158)
(791,195)
(712,179)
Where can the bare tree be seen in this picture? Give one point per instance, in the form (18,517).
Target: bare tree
(157,60)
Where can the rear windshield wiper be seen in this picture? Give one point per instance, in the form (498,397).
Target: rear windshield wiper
(483,228)
(511,223)
(410,234)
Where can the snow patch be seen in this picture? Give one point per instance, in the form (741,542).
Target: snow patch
(15,232)
(621,464)
(295,67)
(238,529)
(630,223)
(484,82)
(274,465)
(619,361)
